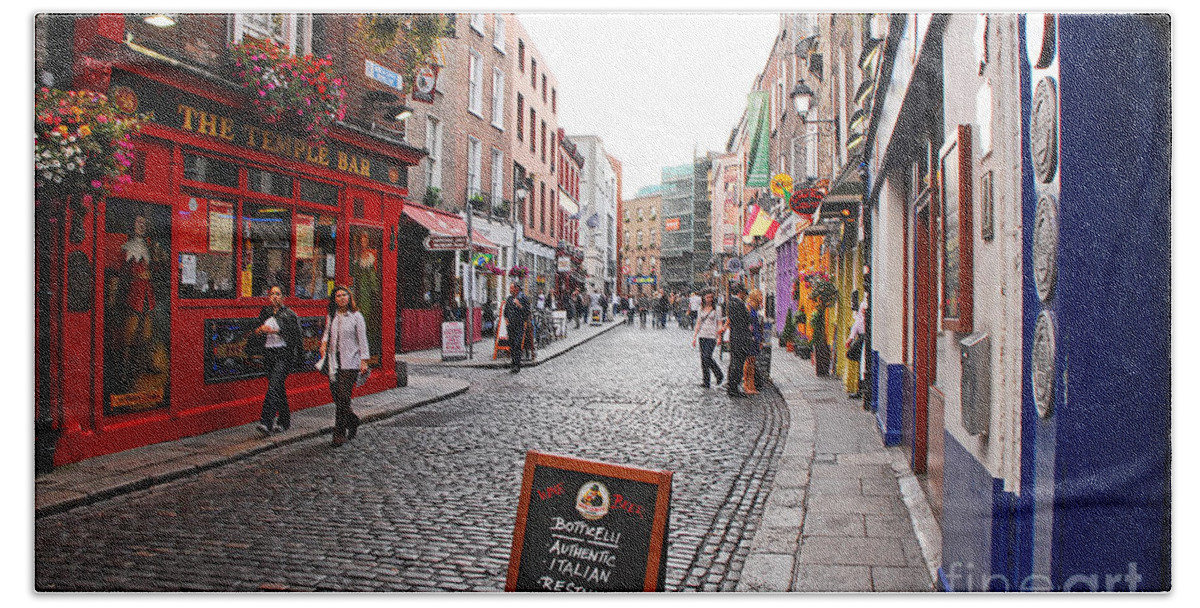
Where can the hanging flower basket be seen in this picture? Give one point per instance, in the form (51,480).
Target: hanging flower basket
(81,143)
(301,91)
(822,291)
(518,272)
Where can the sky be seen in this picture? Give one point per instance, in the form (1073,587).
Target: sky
(657,88)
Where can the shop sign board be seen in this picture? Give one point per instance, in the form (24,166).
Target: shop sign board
(437,242)
(589,526)
(454,345)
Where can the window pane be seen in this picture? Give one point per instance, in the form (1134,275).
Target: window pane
(266,245)
(316,239)
(210,171)
(270,183)
(318,192)
(205,248)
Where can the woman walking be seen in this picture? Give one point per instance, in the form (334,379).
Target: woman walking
(345,352)
(708,327)
(753,302)
(279,329)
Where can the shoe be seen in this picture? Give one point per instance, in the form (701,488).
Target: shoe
(262,429)
(353,430)
(704,385)
(279,428)
(855,396)
(338,440)
(720,381)
(736,394)
(750,392)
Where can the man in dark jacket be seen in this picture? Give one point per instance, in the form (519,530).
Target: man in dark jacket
(516,314)
(740,338)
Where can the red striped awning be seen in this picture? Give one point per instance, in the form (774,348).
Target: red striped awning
(441,223)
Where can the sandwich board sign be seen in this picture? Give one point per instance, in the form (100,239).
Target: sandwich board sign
(589,526)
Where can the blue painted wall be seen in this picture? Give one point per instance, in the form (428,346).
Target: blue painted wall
(1112,302)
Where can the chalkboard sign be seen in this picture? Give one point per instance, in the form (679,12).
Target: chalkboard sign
(589,526)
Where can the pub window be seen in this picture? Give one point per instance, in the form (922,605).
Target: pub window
(957,233)
(210,170)
(316,248)
(266,242)
(205,244)
(318,192)
(267,182)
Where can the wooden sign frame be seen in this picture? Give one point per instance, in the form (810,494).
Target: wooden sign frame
(656,552)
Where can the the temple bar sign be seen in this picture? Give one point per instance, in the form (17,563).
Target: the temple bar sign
(589,526)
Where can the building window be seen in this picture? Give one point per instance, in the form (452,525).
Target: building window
(520,117)
(554,101)
(475,84)
(477,23)
(474,160)
(553,210)
(433,142)
(957,232)
(266,249)
(543,87)
(533,73)
(553,149)
(498,98)
(497,177)
(521,55)
(543,203)
(293,31)
(543,141)
(532,130)
(498,39)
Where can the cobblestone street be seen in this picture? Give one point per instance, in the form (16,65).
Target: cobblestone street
(426,500)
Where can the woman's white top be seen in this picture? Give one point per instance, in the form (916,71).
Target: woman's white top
(274,340)
(345,338)
(708,322)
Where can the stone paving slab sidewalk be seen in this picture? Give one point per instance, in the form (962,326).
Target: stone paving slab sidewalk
(485,348)
(845,513)
(110,475)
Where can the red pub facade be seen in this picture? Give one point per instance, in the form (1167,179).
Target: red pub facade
(145,296)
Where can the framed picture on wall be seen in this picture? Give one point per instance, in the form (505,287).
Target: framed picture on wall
(954,189)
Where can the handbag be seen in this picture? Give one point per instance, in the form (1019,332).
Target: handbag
(854,351)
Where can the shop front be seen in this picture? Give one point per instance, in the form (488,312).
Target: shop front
(165,278)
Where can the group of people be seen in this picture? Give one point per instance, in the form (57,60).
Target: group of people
(744,324)
(344,351)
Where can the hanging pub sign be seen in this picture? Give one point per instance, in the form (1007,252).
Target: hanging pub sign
(425,83)
(589,526)
(805,201)
(438,242)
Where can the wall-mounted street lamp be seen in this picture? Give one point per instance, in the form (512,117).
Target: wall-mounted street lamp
(802,97)
(398,113)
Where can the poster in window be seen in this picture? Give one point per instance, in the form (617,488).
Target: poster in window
(957,232)
(137,319)
(304,236)
(220,227)
(951,265)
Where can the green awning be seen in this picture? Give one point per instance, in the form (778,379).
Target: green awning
(759,175)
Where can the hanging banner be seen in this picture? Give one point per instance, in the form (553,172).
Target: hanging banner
(760,162)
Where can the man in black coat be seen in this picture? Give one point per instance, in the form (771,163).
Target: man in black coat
(516,314)
(740,338)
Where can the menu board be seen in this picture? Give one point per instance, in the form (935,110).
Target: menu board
(589,526)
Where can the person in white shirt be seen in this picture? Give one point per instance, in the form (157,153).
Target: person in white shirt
(693,308)
(708,331)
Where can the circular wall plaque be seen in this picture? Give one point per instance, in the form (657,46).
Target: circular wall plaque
(1040,39)
(1045,246)
(1042,373)
(1043,130)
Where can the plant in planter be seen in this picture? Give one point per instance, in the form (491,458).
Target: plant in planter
(788,336)
(81,144)
(477,202)
(823,293)
(518,272)
(433,197)
(290,89)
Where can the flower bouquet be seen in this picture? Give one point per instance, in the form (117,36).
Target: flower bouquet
(285,88)
(81,143)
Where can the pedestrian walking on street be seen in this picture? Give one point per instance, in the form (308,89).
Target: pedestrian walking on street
(516,315)
(694,303)
(580,310)
(855,344)
(278,332)
(740,338)
(630,309)
(345,353)
(753,303)
(643,307)
(664,304)
(707,331)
